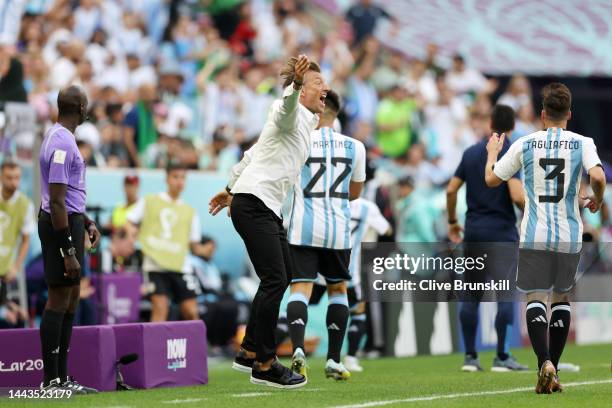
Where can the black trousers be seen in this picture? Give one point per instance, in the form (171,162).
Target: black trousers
(266,242)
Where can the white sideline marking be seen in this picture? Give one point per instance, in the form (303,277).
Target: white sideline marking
(183,401)
(461,395)
(251,394)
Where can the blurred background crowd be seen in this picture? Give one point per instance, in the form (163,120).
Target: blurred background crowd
(191,82)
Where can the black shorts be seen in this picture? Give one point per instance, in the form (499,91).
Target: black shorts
(307,262)
(177,286)
(319,290)
(543,271)
(52,259)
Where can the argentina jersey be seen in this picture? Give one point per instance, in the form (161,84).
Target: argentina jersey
(320,214)
(552,162)
(364,215)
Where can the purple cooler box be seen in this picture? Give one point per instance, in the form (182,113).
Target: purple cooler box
(91,360)
(170,354)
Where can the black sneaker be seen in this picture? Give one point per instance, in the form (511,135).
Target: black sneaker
(72,384)
(53,385)
(242,363)
(278,376)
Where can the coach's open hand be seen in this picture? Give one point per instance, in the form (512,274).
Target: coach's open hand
(301,66)
(72,266)
(221,200)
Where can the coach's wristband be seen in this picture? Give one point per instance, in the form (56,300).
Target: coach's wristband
(451,222)
(63,238)
(229,190)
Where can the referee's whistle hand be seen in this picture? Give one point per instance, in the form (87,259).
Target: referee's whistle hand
(72,266)
(221,200)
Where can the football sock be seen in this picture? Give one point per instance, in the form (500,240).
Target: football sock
(50,333)
(468,315)
(355,333)
(503,320)
(336,320)
(558,330)
(537,327)
(64,346)
(297,317)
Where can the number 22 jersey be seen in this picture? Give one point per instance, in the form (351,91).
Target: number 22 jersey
(321,214)
(552,162)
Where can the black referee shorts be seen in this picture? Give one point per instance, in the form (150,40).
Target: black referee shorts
(52,259)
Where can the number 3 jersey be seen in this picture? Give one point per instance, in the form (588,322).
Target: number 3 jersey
(321,214)
(552,162)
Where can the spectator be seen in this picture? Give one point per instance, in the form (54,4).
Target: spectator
(364,17)
(11,77)
(139,130)
(131,188)
(361,98)
(112,146)
(416,217)
(465,82)
(421,82)
(446,120)
(393,122)
(518,93)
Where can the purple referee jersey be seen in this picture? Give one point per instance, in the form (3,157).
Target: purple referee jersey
(62,163)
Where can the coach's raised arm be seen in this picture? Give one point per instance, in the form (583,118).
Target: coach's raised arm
(303,85)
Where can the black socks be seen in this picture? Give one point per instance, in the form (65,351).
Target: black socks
(50,334)
(537,327)
(336,320)
(355,333)
(297,317)
(558,330)
(64,346)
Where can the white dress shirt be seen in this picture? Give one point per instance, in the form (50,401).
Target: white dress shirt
(272,166)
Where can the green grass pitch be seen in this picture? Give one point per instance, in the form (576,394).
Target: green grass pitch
(429,381)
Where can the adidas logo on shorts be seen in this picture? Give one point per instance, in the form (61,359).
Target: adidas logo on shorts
(298,321)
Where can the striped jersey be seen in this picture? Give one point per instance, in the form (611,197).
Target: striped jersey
(364,215)
(552,162)
(320,215)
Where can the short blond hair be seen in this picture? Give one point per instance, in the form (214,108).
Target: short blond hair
(287,73)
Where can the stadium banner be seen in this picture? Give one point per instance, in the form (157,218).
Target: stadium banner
(484,271)
(170,354)
(117,297)
(92,357)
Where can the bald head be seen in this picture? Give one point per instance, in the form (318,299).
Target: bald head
(72,101)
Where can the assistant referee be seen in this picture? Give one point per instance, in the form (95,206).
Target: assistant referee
(62,224)
(257,188)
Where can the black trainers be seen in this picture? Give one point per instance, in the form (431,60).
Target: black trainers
(72,384)
(242,363)
(278,376)
(53,385)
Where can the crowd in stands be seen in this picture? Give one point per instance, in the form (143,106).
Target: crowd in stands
(182,81)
